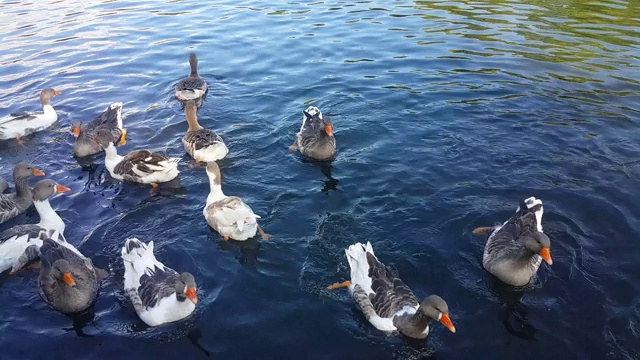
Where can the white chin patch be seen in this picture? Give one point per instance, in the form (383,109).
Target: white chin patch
(439,316)
(312,110)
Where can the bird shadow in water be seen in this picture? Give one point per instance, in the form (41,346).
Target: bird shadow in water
(513,314)
(80,320)
(194,337)
(246,252)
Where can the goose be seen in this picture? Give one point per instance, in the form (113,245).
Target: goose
(315,139)
(193,87)
(140,166)
(229,215)
(68,280)
(14,204)
(20,124)
(110,120)
(387,303)
(158,293)
(20,244)
(515,249)
(202,144)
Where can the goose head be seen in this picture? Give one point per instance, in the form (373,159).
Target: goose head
(312,117)
(46,188)
(47,94)
(186,288)
(539,243)
(435,308)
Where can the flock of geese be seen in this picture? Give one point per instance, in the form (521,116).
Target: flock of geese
(69,282)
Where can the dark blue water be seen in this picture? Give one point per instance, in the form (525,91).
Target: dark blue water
(446,114)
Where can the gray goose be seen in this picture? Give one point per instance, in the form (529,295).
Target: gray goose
(515,249)
(110,120)
(193,87)
(68,281)
(315,138)
(14,204)
(387,303)
(20,244)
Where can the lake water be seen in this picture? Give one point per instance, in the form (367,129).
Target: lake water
(446,115)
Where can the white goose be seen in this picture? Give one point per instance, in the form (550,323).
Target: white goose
(21,244)
(229,215)
(140,166)
(20,124)
(158,293)
(386,301)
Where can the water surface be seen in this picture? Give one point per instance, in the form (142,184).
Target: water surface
(446,115)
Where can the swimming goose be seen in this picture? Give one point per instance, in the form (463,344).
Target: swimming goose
(315,138)
(140,166)
(110,120)
(193,87)
(158,293)
(68,281)
(515,249)
(14,204)
(20,124)
(20,244)
(229,215)
(202,144)
(386,301)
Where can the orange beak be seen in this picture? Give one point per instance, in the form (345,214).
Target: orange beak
(446,321)
(191,294)
(546,255)
(62,188)
(329,130)
(76,131)
(56,92)
(37,172)
(68,279)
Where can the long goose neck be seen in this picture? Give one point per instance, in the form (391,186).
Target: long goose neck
(412,324)
(111,157)
(192,118)
(49,219)
(215,193)
(193,63)
(22,187)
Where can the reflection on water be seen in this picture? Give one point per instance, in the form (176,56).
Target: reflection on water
(449,111)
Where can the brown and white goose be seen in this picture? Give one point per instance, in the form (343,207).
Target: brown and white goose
(315,138)
(202,144)
(386,301)
(515,249)
(14,204)
(193,87)
(19,124)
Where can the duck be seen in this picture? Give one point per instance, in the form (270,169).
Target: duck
(20,244)
(387,303)
(139,166)
(202,144)
(68,281)
(110,120)
(514,250)
(229,215)
(193,87)
(14,204)
(20,124)
(158,293)
(315,139)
